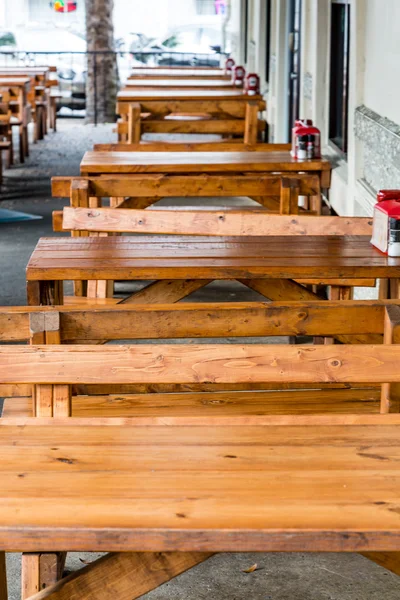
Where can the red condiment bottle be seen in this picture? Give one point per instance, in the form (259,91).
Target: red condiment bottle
(238,75)
(386,222)
(229,64)
(252,85)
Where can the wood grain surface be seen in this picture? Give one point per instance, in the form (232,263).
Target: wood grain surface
(196,162)
(185,257)
(259,487)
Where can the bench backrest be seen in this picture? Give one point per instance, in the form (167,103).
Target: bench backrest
(347,321)
(172,146)
(70,324)
(279,193)
(210,223)
(183,363)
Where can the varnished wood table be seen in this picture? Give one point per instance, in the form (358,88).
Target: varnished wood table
(18,85)
(204,111)
(20,88)
(186,165)
(265,264)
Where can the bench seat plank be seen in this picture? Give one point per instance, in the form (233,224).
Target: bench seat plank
(253,488)
(209,404)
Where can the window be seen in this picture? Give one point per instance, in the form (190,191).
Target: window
(339,79)
(245,29)
(205,7)
(268,39)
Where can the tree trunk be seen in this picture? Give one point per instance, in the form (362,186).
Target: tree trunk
(102,74)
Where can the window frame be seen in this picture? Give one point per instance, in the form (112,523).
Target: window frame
(340,145)
(268,15)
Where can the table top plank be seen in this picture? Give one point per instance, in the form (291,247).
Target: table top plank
(146,257)
(177,72)
(198,94)
(196,162)
(254,488)
(179,83)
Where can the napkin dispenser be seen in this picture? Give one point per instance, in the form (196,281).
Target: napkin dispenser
(386,222)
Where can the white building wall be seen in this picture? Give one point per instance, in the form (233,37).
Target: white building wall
(372,161)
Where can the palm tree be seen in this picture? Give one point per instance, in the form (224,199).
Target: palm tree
(102,74)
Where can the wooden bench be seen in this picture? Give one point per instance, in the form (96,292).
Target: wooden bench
(227,112)
(348,322)
(201,146)
(273,192)
(283,483)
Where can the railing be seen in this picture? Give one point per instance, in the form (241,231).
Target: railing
(74,69)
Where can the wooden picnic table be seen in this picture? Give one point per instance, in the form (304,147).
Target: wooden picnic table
(232,95)
(104,163)
(230,112)
(19,88)
(266,264)
(189,164)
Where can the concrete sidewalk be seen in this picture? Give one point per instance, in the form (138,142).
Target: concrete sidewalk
(279,576)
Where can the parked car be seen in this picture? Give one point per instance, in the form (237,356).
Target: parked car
(191,45)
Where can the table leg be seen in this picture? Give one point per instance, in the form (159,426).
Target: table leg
(45,293)
(39,571)
(3,577)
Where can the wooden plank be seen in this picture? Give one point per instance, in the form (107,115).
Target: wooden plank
(30,569)
(197,162)
(195,364)
(176,146)
(283,289)
(214,404)
(160,292)
(125,576)
(388,560)
(164,185)
(200,126)
(134,125)
(221,223)
(3,577)
(290,198)
(251,122)
(390,392)
(177,84)
(79,193)
(61,401)
(43,400)
(328,504)
(166,257)
(191,320)
(202,319)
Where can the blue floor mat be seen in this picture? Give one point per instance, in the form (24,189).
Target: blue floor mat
(13,216)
